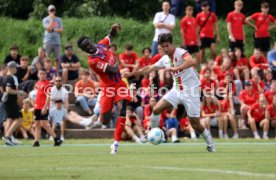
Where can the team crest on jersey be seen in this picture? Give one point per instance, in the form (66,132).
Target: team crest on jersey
(100,65)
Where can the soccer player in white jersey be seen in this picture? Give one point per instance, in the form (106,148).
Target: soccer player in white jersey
(186,86)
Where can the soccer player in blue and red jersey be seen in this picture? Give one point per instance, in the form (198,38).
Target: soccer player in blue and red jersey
(113,89)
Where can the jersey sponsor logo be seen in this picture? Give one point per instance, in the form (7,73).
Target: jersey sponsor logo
(100,65)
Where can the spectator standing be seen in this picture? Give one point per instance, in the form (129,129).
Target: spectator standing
(13,56)
(235,27)
(70,65)
(53,28)
(188,30)
(163,22)
(271,57)
(207,27)
(262,26)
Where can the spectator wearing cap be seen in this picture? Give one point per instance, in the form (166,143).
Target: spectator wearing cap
(38,61)
(70,64)
(13,56)
(247,97)
(53,28)
(271,57)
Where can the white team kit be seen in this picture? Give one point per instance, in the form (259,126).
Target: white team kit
(186,83)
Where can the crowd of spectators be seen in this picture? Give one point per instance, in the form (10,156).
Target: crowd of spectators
(231,83)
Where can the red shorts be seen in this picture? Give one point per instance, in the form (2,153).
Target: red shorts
(184,123)
(111,95)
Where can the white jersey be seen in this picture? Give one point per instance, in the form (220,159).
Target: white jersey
(185,80)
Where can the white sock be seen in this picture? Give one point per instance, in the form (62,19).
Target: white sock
(174,138)
(265,134)
(255,133)
(84,122)
(193,135)
(207,137)
(135,138)
(154,120)
(220,133)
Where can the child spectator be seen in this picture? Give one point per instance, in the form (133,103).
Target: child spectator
(147,113)
(272,113)
(51,72)
(85,92)
(257,117)
(23,71)
(258,62)
(210,113)
(207,83)
(145,60)
(38,61)
(228,85)
(129,58)
(225,68)
(171,125)
(241,67)
(136,101)
(133,126)
(258,84)
(247,97)
(210,65)
(13,56)
(28,119)
(219,59)
(58,116)
(268,80)
(41,110)
(270,93)
(184,123)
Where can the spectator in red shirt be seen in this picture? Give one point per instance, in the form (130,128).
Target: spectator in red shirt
(262,26)
(258,114)
(269,94)
(129,58)
(258,84)
(272,113)
(145,60)
(210,113)
(235,27)
(225,68)
(113,49)
(219,59)
(147,113)
(207,24)
(241,65)
(207,83)
(211,65)
(188,30)
(247,97)
(258,62)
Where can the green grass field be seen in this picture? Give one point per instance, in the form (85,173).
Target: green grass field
(91,159)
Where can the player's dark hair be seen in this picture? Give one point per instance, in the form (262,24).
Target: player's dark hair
(81,39)
(165,38)
(264,5)
(146,48)
(113,46)
(129,47)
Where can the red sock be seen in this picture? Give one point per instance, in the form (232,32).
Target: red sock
(120,126)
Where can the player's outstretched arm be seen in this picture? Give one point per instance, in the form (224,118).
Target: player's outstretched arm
(189,61)
(145,70)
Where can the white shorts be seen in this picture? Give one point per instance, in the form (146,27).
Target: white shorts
(190,99)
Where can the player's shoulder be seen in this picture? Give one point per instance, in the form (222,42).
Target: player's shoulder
(180,52)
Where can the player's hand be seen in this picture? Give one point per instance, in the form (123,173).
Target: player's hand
(232,39)
(44,111)
(172,69)
(255,27)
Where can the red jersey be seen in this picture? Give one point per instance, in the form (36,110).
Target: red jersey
(208,85)
(241,62)
(144,62)
(272,111)
(43,88)
(221,74)
(224,106)
(257,112)
(255,85)
(258,62)
(207,31)
(231,85)
(188,26)
(99,62)
(210,109)
(269,96)
(219,60)
(249,98)
(155,58)
(262,23)
(237,21)
(132,119)
(130,60)
(184,123)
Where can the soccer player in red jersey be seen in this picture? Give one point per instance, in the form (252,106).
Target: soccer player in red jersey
(188,30)
(235,27)
(262,26)
(207,26)
(113,89)
(41,109)
(257,115)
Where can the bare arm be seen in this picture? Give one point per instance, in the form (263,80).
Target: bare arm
(217,32)
(229,29)
(247,21)
(188,62)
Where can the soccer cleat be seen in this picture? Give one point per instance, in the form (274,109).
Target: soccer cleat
(211,148)
(8,141)
(58,142)
(36,144)
(114,148)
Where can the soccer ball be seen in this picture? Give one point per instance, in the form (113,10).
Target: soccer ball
(155,136)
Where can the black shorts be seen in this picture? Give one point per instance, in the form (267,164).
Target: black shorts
(192,49)
(262,43)
(73,75)
(206,42)
(12,110)
(237,44)
(39,116)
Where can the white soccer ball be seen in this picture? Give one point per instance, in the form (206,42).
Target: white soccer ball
(155,136)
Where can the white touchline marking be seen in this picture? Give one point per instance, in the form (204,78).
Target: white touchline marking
(221,171)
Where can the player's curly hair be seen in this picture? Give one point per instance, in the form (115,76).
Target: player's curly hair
(165,38)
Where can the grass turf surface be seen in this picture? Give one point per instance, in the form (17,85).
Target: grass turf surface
(91,159)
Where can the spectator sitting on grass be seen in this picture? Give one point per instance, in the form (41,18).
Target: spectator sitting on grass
(28,118)
(85,92)
(258,117)
(13,56)
(70,65)
(184,123)
(57,117)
